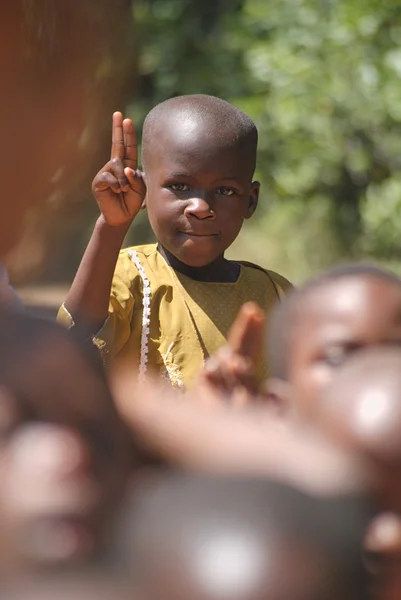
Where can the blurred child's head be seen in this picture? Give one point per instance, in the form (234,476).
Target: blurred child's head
(68,586)
(363,407)
(320,325)
(202,538)
(64,451)
(199,157)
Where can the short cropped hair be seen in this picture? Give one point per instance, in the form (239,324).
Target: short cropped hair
(21,335)
(176,508)
(227,121)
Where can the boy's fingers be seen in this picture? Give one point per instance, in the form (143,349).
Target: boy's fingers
(135,180)
(246,334)
(217,359)
(105,181)
(117,146)
(226,371)
(117,168)
(131,145)
(131,176)
(212,378)
(253,341)
(238,330)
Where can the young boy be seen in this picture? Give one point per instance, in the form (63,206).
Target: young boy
(239,539)
(65,455)
(322,323)
(172,303)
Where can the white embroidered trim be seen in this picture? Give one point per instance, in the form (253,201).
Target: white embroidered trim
(100,345)
(143,362)
(69,315)
(169,349)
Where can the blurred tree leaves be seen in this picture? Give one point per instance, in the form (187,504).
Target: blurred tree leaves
(322,79)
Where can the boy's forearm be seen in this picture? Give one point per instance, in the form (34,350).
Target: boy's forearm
(89,295)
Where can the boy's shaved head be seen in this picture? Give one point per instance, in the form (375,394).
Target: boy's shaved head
(206,538)
(291,310)
(199,157)
(219,122)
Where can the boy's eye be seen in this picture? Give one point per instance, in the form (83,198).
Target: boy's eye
(335,360)
(179,187)
(337,355)
(225,191)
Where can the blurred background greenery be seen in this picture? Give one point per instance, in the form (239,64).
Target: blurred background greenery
(322,80)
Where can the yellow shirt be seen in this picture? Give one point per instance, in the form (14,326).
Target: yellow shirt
(185,320)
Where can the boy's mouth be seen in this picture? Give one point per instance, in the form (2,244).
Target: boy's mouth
(198,234)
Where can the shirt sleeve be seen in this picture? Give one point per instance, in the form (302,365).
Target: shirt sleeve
(116,329)
(282,284)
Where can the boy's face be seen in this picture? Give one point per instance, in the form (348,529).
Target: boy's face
(338,319)
(199,191)
(64,458)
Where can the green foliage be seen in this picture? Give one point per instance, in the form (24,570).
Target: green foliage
(322,80)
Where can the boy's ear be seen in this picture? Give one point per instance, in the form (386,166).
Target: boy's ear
(143,205)
(253,199)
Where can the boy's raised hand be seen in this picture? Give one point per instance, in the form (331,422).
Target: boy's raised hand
(229,376)
(119,187)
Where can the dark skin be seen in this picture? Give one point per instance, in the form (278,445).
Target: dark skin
(249,441)
(88,585)
(194,542)
(220,269)
(65,455)
(229,376)
(199,191)
(362,408)
(183,574)
(119,190)
(338,319)
(196,209)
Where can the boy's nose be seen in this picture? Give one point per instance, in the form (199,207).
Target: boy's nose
(199,208)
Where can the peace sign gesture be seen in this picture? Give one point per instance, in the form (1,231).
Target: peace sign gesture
(119,187)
